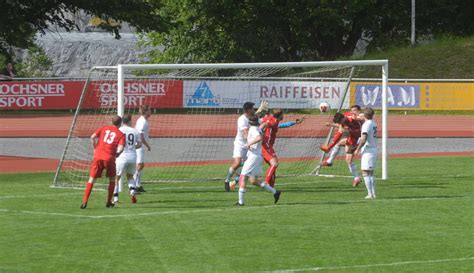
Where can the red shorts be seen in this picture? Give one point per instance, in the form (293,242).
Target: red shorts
(98,165)
(268,153)
(352,139)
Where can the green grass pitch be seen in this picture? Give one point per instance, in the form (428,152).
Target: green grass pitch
(422,221)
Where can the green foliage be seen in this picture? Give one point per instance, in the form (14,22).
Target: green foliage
(36,64)
(421,214)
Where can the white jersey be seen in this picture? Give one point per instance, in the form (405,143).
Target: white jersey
(370,128)
(142,127)
(131,141)
(256,148)
(242,123)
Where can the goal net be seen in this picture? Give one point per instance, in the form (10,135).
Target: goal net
(195,108)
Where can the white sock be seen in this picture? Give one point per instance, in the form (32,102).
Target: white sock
(368,185)
(372,185)
(241,195)
(138,178)
(267,187)
(230,173)
(353,170)
(333,154)
(131,183)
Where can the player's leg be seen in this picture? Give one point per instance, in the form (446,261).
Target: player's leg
(111,171)
(351,145)
(96,169)
(130,170)
(368,165)
(139,169)
(239,154)
(121,164)
(271,158)
(242,182)
(334,152)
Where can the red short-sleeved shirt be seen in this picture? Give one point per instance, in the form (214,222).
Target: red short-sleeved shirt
(109,139)
(351,123)
(269,134)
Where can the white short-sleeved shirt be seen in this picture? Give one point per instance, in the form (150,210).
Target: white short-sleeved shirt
(142,127)
(242,123)
(256,148)
(370,128)
(131,141)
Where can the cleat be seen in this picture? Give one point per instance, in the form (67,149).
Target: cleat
(226,186)
(325,148)
(356,181)
(326,163)
(236,178)
(277,196)
(140,189)
(238,204)
(368,197)
(83,206)
(109,205)
(116,203)
(374,197)
(133,199)
(232,185)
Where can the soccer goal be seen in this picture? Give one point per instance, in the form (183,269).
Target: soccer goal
(195,110)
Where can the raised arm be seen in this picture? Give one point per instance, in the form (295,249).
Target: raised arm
(94,138)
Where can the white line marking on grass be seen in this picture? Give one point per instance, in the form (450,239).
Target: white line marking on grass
(373,265)
(36,195)
(227,209)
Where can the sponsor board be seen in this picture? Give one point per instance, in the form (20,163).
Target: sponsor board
(399,96)
(281,94)
(447,96)
(101,94)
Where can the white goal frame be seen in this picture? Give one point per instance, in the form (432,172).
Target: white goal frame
(122,68)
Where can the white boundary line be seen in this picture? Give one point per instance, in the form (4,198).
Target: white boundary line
(374,265)
(227,209)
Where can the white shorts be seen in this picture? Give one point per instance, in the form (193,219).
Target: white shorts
(252,166)
(368,161)
(240,151)
(141,155)
(125,165)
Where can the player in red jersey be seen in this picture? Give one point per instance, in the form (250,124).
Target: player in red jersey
(107,141)
(271,124)
(348,122)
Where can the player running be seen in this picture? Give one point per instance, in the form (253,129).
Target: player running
(144,130)
(368,147)
(271,124)
(240,150)
(351,122)
(107,141)
(252,168)
(126,161)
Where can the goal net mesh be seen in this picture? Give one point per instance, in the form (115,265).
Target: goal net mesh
(194,118)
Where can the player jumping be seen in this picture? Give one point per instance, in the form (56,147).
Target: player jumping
(252,168)
(368,147)
(107,141)
(271,124)
(240,150)
(127,159)
(351,122)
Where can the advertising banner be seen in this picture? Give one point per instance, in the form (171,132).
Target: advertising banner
(447,96)
(65,94)
(399,96)
(281,94)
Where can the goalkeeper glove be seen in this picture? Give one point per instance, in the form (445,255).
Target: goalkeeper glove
(263,107)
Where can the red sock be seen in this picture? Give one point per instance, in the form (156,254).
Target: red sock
(337,137)
(272,181)
(270,173)
(87,192)
(111,192)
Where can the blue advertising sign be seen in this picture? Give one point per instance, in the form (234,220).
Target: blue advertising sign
(398,95)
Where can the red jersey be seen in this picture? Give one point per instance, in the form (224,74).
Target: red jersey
(269,134)
(109,139)
(351,123)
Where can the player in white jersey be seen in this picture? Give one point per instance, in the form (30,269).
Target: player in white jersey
(368,148)
(240,150)
(252,168)
(144,134)
(125,162)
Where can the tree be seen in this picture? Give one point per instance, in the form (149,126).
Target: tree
(284,30)
(20,20)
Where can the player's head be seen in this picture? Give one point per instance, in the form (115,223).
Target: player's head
(127,119)
(355,109)
(254,121)
(278,113)
(117,121)
(369,113)
(338,117)
(144,110)
(248,109)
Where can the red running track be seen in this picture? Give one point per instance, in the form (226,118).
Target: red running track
(171,125)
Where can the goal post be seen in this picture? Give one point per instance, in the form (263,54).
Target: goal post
(196,106)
